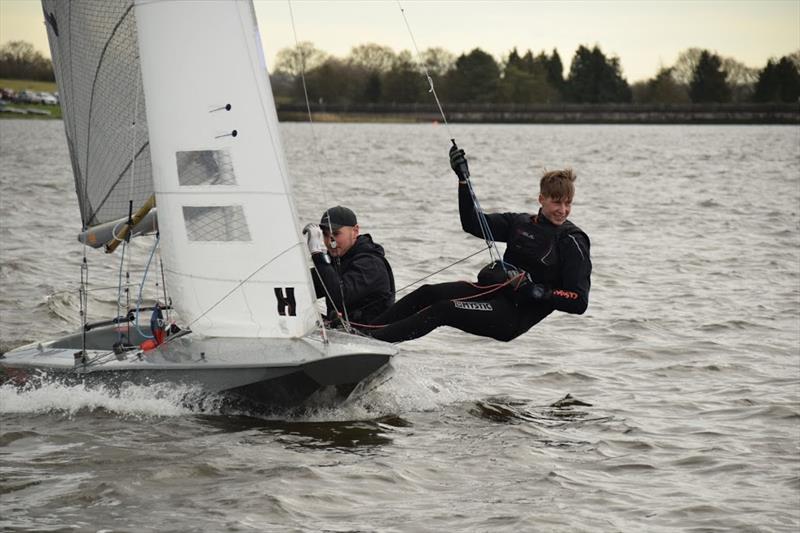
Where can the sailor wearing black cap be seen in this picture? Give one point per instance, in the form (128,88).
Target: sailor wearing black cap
(353,268)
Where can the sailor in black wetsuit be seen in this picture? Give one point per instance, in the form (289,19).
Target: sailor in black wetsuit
(360,283)
(548,264)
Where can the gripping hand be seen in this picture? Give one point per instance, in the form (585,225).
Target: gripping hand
(458,162)
(539,292)
(314,238)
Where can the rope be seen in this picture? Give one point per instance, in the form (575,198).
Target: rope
(167,303)
(70,291)
(141,288)
(438,271)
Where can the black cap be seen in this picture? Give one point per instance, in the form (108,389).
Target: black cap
(337,217)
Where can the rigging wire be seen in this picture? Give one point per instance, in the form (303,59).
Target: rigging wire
(119,291)
(84,302)
(83,292)
(68,102)
(432,89)
(483,223)
(127,241)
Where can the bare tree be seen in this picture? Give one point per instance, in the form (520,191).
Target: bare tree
(301,58)
(438,61)
(372,57)
(686,64)
(19,60)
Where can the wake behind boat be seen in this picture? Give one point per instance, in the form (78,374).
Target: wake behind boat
(168,104)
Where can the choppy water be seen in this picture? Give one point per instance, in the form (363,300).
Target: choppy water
(689,353)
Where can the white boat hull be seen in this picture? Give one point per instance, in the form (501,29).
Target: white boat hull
(267,374)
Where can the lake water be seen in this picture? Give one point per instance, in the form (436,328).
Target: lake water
(689,353)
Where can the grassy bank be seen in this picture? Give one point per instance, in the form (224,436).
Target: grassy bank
(31,111)
(21,85)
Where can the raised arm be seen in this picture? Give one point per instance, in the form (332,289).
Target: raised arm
(498,224)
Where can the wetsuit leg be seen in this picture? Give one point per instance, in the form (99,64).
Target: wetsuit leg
(497,318)
(425,296)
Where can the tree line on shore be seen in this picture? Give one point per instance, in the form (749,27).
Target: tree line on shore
(373,73)
(19,60)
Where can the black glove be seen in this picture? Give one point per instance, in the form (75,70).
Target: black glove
(539,292)
(458,162)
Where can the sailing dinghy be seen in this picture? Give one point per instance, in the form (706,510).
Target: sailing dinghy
(168,104)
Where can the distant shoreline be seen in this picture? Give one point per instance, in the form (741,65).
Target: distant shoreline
(510,113)
(550,114)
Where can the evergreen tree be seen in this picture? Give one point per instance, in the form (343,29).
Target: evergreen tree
(593,78)
(474,79)
(709,80)
(528,61)
(663,89)
(514,60)
(555,72)
(526,80)
(778,82)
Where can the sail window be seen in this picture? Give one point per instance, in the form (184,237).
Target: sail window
(205,167)
(216,223)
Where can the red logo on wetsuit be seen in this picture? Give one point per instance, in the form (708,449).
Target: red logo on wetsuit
(569,295)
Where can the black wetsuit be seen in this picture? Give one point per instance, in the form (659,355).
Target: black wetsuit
(362,276)
(554,256)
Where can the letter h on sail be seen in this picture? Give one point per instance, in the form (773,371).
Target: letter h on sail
(285,300)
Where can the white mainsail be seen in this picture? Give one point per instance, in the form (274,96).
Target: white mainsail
(231,246)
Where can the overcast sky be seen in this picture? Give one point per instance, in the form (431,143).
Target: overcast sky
(644,34)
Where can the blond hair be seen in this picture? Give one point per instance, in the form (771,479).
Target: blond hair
(558,184)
